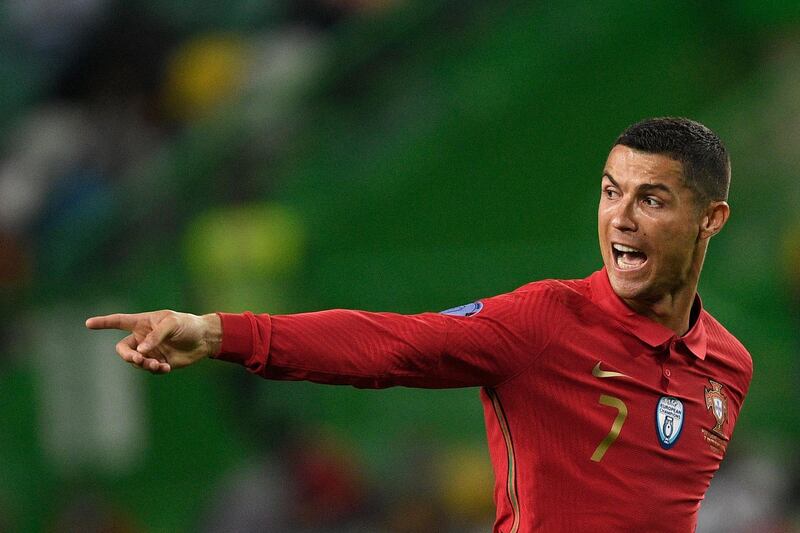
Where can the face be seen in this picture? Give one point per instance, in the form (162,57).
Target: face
(649,226)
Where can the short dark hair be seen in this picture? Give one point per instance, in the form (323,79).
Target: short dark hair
(705,160)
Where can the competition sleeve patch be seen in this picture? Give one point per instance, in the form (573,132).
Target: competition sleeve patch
(464,310)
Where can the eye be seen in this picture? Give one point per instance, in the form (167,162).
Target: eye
(610,193)
(652,201)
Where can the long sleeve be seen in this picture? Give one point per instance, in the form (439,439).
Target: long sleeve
(376,350)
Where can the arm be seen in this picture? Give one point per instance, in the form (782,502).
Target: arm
(371,350)
(357,348)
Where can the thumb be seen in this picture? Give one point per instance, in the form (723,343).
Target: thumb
(160,332)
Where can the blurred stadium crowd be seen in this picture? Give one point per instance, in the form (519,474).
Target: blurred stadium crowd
(282,156)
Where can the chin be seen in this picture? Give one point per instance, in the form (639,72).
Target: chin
(627,290)
(626,284)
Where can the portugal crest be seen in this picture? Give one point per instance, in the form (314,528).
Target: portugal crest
(669,421)
(717,403)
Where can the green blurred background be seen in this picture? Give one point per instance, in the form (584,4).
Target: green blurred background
(285,156)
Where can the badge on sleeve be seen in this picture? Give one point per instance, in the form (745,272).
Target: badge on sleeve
(669,421)
(464,310)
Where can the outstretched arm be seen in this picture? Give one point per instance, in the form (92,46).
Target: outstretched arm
(358,348)
(162,340)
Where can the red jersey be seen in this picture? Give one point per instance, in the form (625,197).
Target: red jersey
(598,419)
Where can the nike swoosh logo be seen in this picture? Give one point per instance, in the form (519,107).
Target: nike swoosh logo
(596,372)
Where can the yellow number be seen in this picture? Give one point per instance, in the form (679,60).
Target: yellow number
(616,427)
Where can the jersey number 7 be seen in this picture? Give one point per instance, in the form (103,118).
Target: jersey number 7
(616,427)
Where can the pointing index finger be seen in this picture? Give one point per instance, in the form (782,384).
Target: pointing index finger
(115,321)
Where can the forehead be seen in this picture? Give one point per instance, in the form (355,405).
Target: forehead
(628,166)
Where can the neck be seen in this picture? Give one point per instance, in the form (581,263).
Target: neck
(671,310)
(672,307)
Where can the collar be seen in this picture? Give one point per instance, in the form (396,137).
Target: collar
(652,333)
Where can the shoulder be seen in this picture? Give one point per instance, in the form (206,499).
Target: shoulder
(559,289)
(546,301)
(724,344)
(726,341)
(561,297)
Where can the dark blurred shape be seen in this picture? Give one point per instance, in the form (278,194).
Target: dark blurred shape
(15,276)
(318,13)
(122,58)
(15,262)
(72,220)
(329,484)
(414,514)
(310,482)
(54,28)
(89,512)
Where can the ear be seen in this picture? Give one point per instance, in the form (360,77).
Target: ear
(713,219)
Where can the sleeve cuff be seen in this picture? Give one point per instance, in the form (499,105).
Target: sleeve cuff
(237,337)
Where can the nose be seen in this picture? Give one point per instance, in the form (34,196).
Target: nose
(623,218)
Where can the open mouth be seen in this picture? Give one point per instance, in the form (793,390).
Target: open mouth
(627,258)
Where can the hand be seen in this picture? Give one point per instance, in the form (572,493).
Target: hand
(163,340)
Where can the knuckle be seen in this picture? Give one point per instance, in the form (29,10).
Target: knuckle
(120,349)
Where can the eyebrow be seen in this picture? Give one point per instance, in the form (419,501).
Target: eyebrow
(642,187)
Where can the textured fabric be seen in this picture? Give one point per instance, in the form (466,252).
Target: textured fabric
(598,419)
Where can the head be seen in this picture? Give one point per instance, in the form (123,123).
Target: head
(663,195)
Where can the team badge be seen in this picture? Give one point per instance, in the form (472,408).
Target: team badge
(464,310)
(717,403)
(669,421)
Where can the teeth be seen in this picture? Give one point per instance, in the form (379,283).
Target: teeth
(628,258)
(623,248)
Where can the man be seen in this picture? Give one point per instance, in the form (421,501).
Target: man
(608,401)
